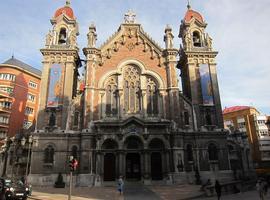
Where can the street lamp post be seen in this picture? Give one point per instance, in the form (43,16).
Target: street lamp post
(30,141)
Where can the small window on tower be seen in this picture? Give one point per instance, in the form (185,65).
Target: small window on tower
(196,39)
(62,36)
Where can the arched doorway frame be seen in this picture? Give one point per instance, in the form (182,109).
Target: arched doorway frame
(133,156)
(109,159)
(158,158)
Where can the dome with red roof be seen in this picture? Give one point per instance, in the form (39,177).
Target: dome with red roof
(66,10)
(193,14)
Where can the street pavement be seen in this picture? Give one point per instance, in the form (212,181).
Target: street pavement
(136,192)
(250,195)
(131,192)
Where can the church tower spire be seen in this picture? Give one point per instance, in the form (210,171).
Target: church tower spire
(60,70)
(188,5)
(67,2)
(198,70)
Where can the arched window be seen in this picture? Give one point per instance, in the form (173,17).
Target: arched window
(49,154)
(133,142)
(212,152)
(76,118)
(152,96)
(208,118)
(62,36)
(156,144)
(74,152)
(111,96)
(189,152)
(186,118)
(196,39)
(109,144)
(132,89)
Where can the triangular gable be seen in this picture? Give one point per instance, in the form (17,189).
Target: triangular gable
(126,32)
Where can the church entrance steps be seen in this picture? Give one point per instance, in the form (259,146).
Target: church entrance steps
(179,192)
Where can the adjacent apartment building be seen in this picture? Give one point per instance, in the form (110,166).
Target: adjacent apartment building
(248,119)
(19,96)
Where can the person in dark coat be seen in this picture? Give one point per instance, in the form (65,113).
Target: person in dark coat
(218,189)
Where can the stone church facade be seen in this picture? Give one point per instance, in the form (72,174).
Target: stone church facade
(126,115)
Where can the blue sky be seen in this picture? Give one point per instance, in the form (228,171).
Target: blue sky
(239,29)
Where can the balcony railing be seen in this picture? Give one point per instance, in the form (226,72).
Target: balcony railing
(4,125)
(5,109)
(3,136)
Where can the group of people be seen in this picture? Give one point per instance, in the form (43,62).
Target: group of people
(262,187)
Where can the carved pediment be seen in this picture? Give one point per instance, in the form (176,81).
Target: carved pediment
(129,36)
(133,125)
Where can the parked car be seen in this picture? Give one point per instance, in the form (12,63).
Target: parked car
(15,190)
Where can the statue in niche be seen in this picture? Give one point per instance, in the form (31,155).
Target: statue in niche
(52,119)
(168,38)
(49,38)
(92,36)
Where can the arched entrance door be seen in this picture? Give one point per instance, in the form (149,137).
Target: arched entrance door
(133,166)
(133,159)
(156,146)
(156,166)
(109,167)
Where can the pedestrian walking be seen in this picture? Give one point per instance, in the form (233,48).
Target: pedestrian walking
(120,185)
(218,189)
(260,189)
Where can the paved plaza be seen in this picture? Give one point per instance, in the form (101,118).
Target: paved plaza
(136,192)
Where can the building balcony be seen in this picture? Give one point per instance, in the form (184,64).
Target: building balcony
(5,110)
(3,135)
(3,125)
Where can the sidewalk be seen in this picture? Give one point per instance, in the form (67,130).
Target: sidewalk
(84,193)
(131,192)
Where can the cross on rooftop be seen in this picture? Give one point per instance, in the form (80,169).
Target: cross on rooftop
(130,17)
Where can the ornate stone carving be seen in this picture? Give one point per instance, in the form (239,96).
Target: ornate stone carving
(130,46)
(188,41)
(49,38)
(73,38)
(209,42)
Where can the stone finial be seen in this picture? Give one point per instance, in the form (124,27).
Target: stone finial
(130,17)
(92,36)
(168,37)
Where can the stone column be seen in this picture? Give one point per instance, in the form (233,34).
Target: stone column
(121,103)
(121,163)
(144,102)
(147,165)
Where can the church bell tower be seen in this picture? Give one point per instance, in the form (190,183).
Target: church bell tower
(60,70)
(198,71)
